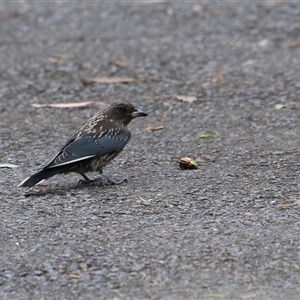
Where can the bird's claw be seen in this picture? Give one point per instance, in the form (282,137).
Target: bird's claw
(81,182)
(87,180)
(113,181)
(117,182)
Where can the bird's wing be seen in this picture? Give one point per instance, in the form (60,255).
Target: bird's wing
(86,147)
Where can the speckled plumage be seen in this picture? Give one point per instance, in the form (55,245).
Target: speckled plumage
(93,146)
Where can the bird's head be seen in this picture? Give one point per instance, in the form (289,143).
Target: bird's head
(123,112)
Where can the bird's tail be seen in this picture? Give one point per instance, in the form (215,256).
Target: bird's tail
(41,175)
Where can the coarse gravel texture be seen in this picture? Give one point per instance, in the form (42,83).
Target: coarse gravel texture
(229,230)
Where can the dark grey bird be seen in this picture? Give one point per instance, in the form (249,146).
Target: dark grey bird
(93,146)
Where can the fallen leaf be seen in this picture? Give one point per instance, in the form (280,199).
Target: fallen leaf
(160,97)
(287,45)
(187,163)
(216,295)
(287,205)
(108,80)
(55,60)
(58,58)
(66,105)
(25,80)
(152,1)
(170,11)
(207,136)
(217,78)
(279,106)
(154,128)
(146,200)
(188,99)
(295,268)
(263,43)
(274,2)
(248,295)
(248,214)
(248,62)
(42,185)
(9,166)
(83,267)
(63,55)
(123,63)
(276,164)
(197,8)
(74,276)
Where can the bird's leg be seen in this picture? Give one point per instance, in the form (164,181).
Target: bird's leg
(113,181)
(86,179)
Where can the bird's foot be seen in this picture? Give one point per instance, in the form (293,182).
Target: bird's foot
(113,181)
(86,180)
(82,181)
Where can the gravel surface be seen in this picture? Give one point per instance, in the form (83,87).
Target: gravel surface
(228,230)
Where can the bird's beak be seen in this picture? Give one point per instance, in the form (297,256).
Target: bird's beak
(138,113)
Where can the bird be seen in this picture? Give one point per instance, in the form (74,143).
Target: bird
(93,146)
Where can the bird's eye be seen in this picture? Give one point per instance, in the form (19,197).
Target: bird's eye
(123,108)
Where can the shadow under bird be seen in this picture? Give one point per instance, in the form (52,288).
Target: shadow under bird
(93,146)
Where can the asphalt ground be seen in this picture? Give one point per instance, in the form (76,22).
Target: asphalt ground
(223,80)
